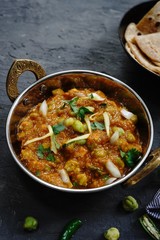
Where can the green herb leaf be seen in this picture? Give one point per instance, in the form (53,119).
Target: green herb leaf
(105,177)
(72,104)
(131,157)
(50,157)
(75,184)
(82,111)
(58,128)
(40,151)
(97,125)
(45,153)
(37,173)
(91,96)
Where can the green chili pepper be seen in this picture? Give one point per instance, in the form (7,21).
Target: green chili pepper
(150,227)
(70,228)
(30,223)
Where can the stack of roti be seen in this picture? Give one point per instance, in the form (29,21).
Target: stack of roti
(143,39)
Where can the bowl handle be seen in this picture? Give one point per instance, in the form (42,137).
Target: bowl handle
(148,168)
(18,67)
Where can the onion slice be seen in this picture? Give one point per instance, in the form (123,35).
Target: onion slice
(64,176)
(49,134)
(52,140)
(85,136)
(38,138)
(114,137)
(88,123)
(106,122)
(43,108)
(113,169)
(95,97)
(110,180)
(126,114)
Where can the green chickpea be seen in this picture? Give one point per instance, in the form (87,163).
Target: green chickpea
(112,234)
(72,166)
(82,179)
(69,121)
(30,223)
(130,137)
(78,126)
(99,152)
(130,204)
(120,130)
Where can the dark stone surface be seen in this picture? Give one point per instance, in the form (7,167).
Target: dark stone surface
(63,35)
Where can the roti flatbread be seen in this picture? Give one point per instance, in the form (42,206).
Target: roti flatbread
(149,44)
(150,22)
(138,55)
(131,32)
(143,40)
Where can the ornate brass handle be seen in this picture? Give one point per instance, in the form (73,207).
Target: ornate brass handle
(148,168)
(18,67)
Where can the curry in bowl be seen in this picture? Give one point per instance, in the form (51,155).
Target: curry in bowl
(79,139)
(78,130)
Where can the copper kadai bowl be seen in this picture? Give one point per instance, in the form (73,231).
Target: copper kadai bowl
(42,88)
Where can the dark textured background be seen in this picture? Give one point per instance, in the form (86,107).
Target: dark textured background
(63,35)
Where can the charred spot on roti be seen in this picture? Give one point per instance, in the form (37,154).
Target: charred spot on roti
(131,32)
(157,24)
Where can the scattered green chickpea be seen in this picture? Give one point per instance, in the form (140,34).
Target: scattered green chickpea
(112,234)
(69,121)
(30,223)
(82,179)
(78,126)
(130,137)
(130,204)
(99,152)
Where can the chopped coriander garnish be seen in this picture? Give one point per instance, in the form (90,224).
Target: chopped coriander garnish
(37,173)
(91,96)
(75,184)
(50,157)
(58,128)
(82,111)
(40,151)
(105,177)
(45,153)
(97,125)
(72,104)
(131,157)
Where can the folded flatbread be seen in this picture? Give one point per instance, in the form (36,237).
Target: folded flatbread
(149,44)
(138,55)
(131,32)
(150,22)
(143,39)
